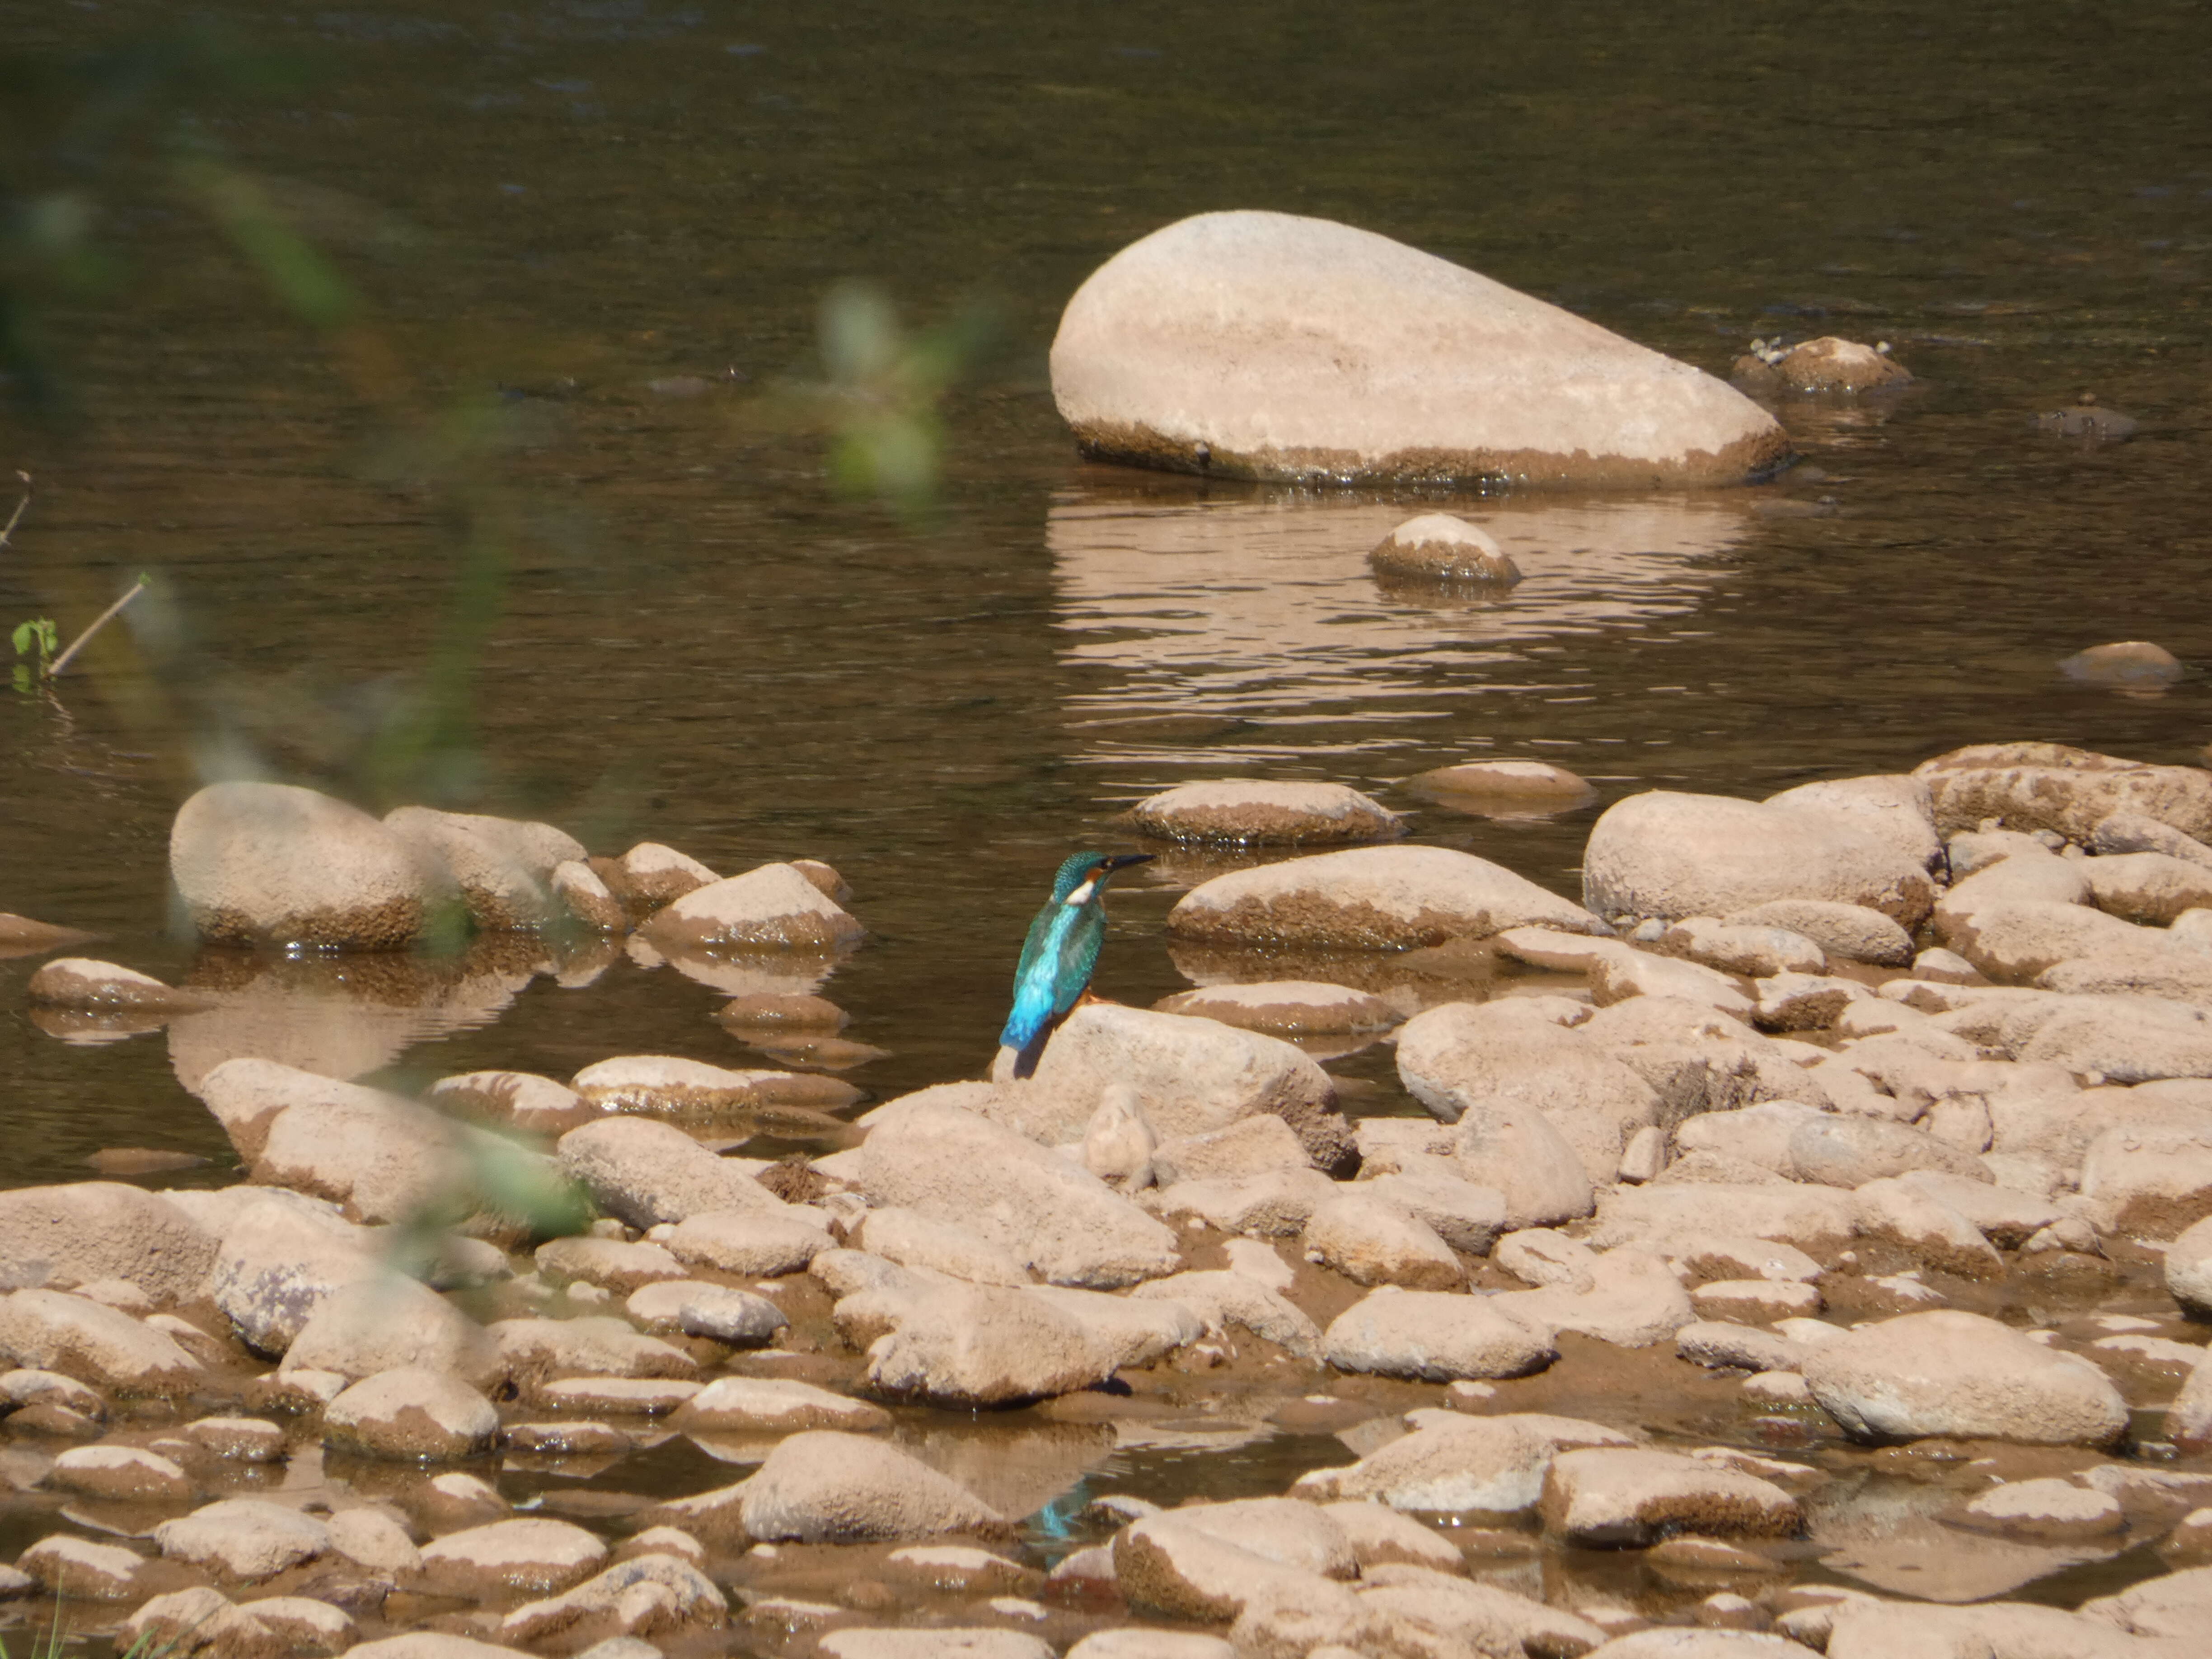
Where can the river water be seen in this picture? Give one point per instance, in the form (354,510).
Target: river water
(608,227)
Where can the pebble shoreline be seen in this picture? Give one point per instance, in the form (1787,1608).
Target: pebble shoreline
(1810,1236)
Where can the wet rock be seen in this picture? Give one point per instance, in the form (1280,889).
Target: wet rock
(526,1553)
(1371,1241)
(1390,898)
(1945,1373)
(736,1318)
(742,1241)
(2149,1183)
(1719,1345)
(1234,1298)
(652,875)
(645,1173)
(242,1540)
(823,1487)
(2046,1511)
(1459,1464)
(26,936)
(914,1240)
(269,864)
(523,1099)
(1673,1219)
(621,1396)
(54,1331)
(1489,1057)
(128,1473)
(1621,974)
(2131,832)
(1805,1002)
(85,1570)
(662,1085)
(280,1260)
(1323,352)
(586,900)
(1611,1496)
(1285,1007)
(1738,948)
(502,885)
(969,1346)
(1256,813)
(645,1596)
(1850,931)
(81,982)
(1463,1215)
(962,1644)
(1192,1076)
(1437,547)
(2048,785)
(612,1264)
(773,907)
(1504,788)
(2137,664)
(1632,1301)
(1927,1228)
(1251,1145)
(1170,1565)
(2188,1269)
(2154,889)
(411,1412)
(238,1439)
(202,1621)
(61,1238)
(1755,1301)
(1669,855)
(748,1405)
(1826,365)
(535,1350)
(1512,1148)
(375,1325)
(1380,1536)
(1059,1220)
(1437,1336)
(1840,1151)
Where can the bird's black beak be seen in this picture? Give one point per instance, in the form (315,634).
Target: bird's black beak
(1123,860)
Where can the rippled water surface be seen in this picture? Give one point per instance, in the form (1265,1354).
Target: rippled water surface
(612,224)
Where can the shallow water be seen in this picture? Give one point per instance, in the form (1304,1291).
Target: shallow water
(698,642)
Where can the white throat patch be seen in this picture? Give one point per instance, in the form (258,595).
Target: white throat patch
(1082,895)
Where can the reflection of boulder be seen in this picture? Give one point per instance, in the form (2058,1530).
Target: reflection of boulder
(1263,607)
(1016,1468)
(756,973)
(342,1016)
(1408,980)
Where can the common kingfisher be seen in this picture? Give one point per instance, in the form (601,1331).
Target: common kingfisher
(1059,952)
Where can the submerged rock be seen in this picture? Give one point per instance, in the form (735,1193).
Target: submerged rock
(1265,345)
(81,982)
(1241,811)
(1827,364)
(2127,663)
(1442,547)
(1504,788)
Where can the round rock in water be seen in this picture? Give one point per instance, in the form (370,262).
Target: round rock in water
(1439,547)
(1253,811)
(1504,788)
(1827,364)
(1264,345)
(2127,663)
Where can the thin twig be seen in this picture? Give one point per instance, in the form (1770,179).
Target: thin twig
(17,517)
(98,623)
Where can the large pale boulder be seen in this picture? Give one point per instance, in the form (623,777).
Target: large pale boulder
(269,864)
(1437,1336)
(773,907)
(280,1257)
(1895,806)
(55,1331)
(1962,1376)
(1191,1075)
(821,1486)
(1485,1056)
(967,1346)
(1666,854)
(502,867)
(1051,1214)
(1266,345)
(375,1324)
(2050,785)
(60,1237)
(1386,899)
(645,1173)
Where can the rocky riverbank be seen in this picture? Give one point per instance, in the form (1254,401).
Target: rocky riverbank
(1803,1246)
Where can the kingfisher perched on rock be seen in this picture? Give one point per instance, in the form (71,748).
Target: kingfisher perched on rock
(1059,954)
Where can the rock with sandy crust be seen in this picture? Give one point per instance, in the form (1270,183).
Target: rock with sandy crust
(1371,1241)
(1435,1336)
(1609,1498)
(1442,547)
(410,1412)
(645,1173)
(821,1486)
(56,1331)
(244,1540)
(1390,898)
(2050,785)
(64,1236)
(1242,811)
(1852,931)
(773,907)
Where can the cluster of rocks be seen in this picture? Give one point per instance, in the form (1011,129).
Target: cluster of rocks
(1777,1202)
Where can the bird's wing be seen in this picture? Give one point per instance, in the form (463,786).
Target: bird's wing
(1035,981)
(1079,945)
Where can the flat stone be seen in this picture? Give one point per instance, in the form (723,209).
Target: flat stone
(535,1553)
(1960,1375)
(1285,1007)
(1607,1497)
(752,1244)
(1251,812)
(244,1540)
(2047,1511)
(645,1173)
(1454,1463)
(410,1412)
(748,1405)
(1435,1336)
